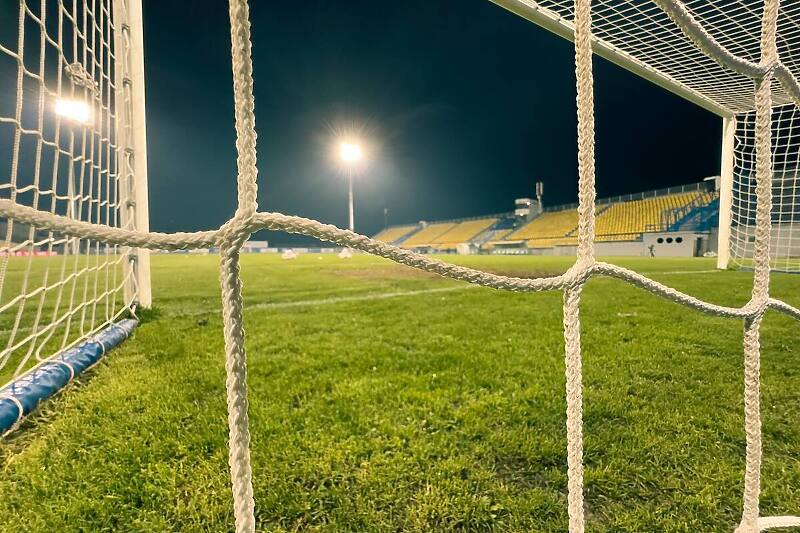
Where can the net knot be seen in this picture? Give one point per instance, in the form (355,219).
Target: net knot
(235,232)
(756,308)
(578,274)
(80,77)
(747,526)
(768,69)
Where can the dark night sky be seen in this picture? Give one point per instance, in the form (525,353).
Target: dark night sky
(466,105)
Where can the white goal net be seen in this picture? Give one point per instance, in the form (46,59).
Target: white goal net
(643,38)
(736,58)
(66,148)
(785,244)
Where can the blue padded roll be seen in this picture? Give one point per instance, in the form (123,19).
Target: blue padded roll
(25,393)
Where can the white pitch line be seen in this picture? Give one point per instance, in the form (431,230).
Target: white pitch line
(367,297)
(687,272)
(397,294)
(333,300)
(360,298)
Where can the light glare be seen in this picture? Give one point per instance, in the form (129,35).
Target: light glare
(74,110)
(350,152)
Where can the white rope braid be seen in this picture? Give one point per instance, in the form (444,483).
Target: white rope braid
(332,234)
(584,264)
(234,237)
(234,233)
(760,294)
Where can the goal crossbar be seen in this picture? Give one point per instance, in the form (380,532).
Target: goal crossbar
(702,50)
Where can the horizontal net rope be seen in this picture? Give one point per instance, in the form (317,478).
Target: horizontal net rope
(107,234)
(329,233)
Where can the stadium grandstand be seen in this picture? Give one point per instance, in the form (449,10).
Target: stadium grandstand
(622,221)
(677,221)
(462,232)
(395,233)
(427,234)
(546,230)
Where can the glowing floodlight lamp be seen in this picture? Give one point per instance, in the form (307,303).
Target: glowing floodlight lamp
(74,110)
(350,152)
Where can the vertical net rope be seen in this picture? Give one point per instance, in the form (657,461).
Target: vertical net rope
(760,293)
(232,235)
(583,265)
(232,305)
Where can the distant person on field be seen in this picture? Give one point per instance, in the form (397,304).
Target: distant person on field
(652,249)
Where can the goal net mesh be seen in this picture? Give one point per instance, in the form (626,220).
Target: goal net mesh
(642,37)
(732,57)
(785,241)
(59,153)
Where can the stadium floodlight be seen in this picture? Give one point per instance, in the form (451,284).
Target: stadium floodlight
(350,154)
(74,110)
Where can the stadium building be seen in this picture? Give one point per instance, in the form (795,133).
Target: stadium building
(677,221)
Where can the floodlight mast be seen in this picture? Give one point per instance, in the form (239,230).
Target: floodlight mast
(350,154)
(351,224)
(540,192)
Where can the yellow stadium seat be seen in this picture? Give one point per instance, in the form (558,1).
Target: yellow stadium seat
(547,226)
(446,235)
(390,235)
(427,235)
(625,221)
(463,232)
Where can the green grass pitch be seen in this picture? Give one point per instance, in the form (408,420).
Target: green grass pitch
(384,399)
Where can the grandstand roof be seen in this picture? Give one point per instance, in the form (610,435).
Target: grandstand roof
(640,37)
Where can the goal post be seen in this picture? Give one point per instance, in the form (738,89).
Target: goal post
(725,191)
(132,138)
(72,144)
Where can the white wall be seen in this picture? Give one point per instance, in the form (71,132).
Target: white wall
(668,247)
(785,241)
